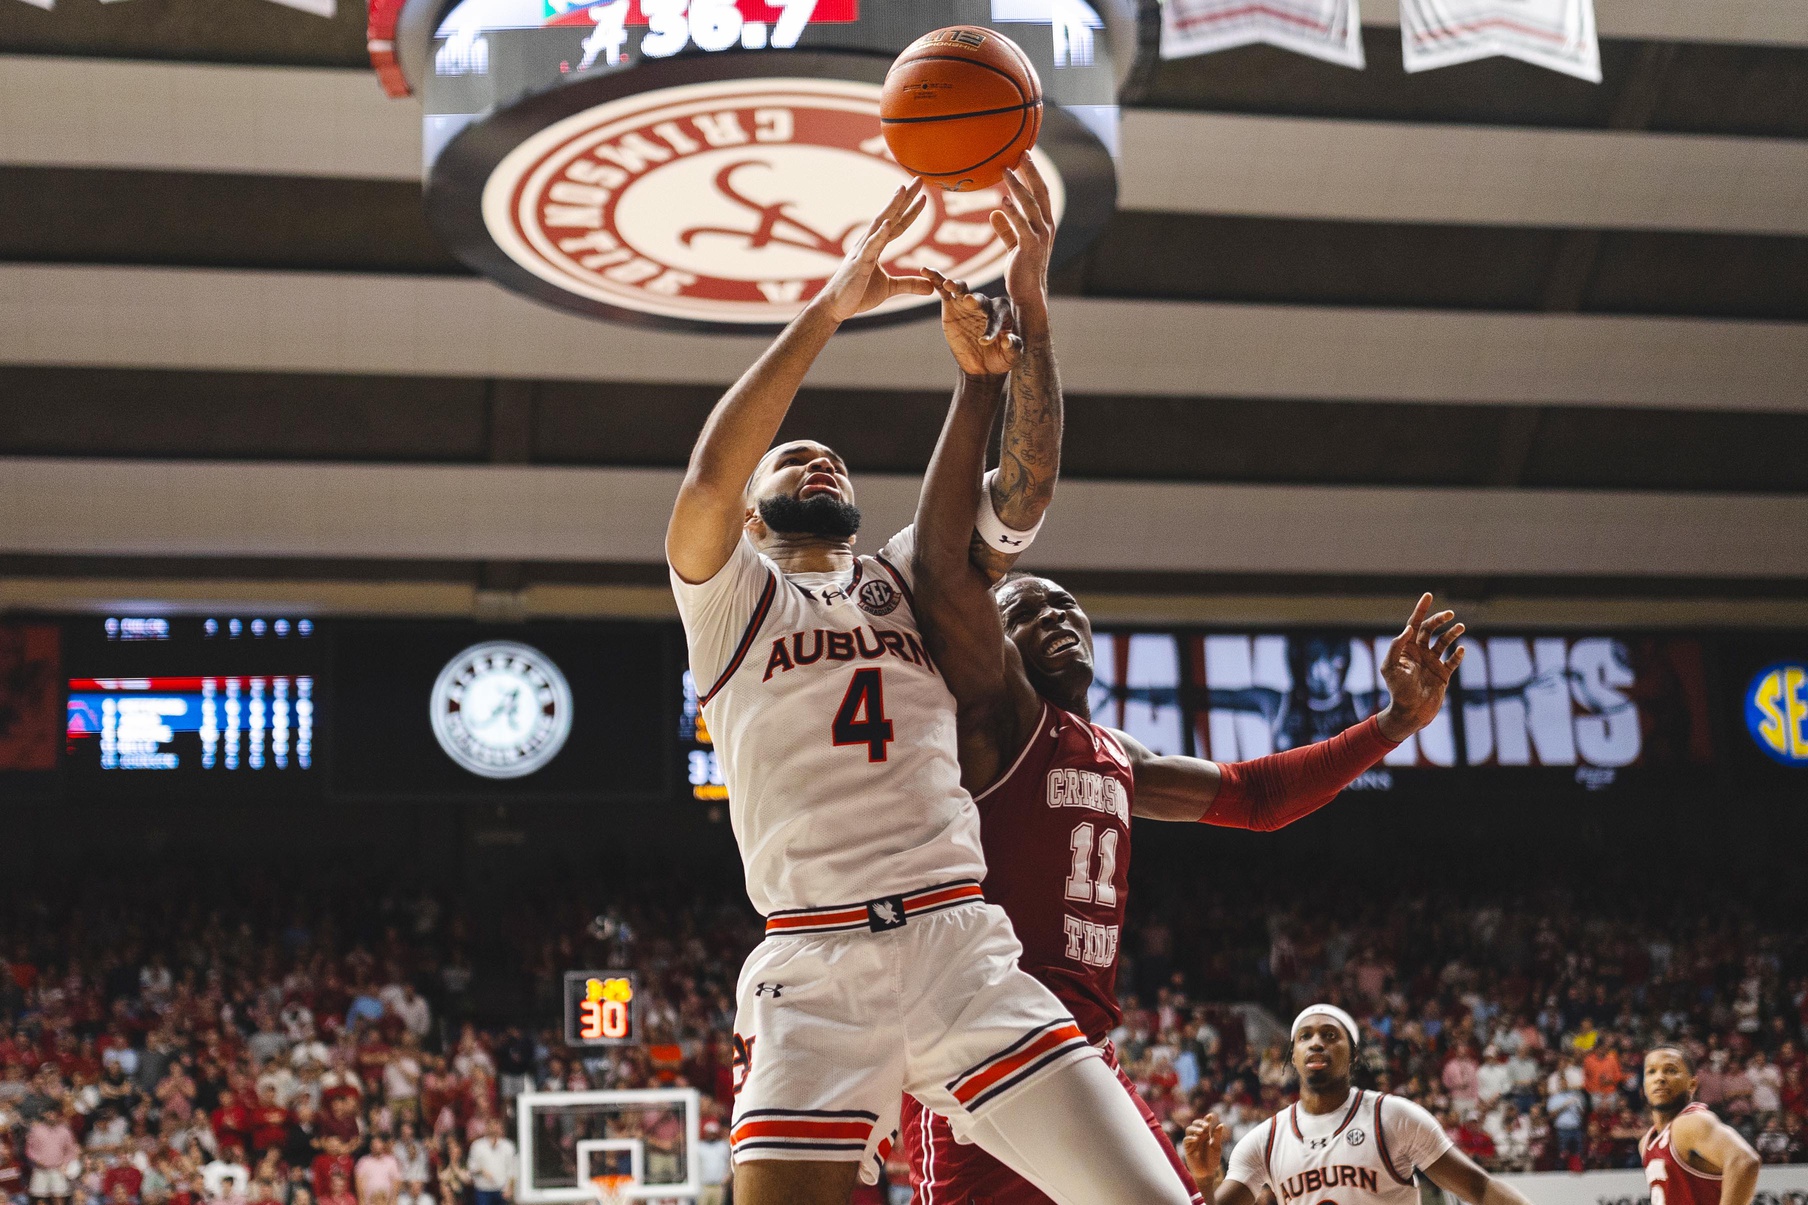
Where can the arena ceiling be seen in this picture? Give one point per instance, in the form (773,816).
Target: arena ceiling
(1531,341)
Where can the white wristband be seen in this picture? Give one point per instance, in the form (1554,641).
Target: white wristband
(992,530)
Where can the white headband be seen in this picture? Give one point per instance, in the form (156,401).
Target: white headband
(1332,1011)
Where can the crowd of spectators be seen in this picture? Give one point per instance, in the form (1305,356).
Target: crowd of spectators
(153,1053)
(368,1051)
(1521,1024)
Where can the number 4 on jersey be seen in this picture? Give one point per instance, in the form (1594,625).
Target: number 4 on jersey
(861,720)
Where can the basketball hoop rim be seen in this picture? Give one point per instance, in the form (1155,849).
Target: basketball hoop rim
(608,1189)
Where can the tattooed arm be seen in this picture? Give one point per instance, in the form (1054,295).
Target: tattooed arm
(1030,448)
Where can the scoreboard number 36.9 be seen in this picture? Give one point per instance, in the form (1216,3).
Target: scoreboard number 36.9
(602,1008)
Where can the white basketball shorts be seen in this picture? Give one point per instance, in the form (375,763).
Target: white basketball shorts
(843,1010)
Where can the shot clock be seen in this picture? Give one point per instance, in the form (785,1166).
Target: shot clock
(602,1008)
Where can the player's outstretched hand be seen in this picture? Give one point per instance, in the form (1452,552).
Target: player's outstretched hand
(1203,1151)
(861,283)
(1027,226)
(981,330)
(1417,671)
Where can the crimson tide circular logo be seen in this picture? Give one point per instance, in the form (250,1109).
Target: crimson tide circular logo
(728,202)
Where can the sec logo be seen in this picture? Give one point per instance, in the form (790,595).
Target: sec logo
(1776,712)
(728,203)
(501,709)
(878,598)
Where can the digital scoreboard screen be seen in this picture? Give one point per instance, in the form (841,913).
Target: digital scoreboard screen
(1588,706)
(702,766)
(490,53)
(187,697)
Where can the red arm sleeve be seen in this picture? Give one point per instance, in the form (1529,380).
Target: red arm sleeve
(1272,792)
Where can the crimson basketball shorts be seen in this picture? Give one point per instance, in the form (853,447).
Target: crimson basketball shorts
(842,1011)
(946,1171)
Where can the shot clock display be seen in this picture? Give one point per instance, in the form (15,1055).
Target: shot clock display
(602,1008)
(192,697)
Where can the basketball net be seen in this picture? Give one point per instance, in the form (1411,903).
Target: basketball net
(611,1190)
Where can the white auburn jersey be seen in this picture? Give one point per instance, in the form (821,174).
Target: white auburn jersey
(834,730)
(1362,1154)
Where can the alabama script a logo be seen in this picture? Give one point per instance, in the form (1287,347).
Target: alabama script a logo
(727,203)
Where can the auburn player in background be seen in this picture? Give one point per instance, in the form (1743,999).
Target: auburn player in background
(1338,1144)
(1691,1157)
(1055,791)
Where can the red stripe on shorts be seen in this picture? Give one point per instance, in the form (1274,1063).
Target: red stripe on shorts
(997,1071)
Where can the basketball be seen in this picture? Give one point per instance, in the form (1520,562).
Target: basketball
(961,106)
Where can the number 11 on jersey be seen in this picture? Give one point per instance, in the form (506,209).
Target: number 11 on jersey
(861,718)
(1081,884)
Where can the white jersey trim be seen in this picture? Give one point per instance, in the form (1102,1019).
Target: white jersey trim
(761,609)
(1030,743)
(1663,1135)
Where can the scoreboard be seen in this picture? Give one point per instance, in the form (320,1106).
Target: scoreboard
(192,698)
(702,164)
(236,722)
(702,765)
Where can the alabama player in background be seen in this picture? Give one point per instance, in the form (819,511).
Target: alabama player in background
(1055,791)
(1691,1157)
(883,970)
(1338,1144)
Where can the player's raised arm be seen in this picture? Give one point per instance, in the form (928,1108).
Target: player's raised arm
(711,508)
(1029,458)
(1272,792)
(954,589)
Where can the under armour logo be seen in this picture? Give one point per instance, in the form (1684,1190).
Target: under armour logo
(1011,540)
(1318,1144)
(762,988)
(885,914)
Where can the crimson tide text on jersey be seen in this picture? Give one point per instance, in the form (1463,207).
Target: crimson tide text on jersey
(1057,827)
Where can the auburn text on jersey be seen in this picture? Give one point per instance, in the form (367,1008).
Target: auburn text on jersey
(821,644)
(1317,1179)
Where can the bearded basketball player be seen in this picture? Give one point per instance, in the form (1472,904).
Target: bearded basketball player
(883,970)
(1338,1145)
(1691,1157)
(1055,791)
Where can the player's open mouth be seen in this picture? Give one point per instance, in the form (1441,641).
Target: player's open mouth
(818,483)
(1060,642)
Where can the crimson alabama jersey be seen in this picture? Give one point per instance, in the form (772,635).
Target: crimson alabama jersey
(1672,1181)
(1056,831)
